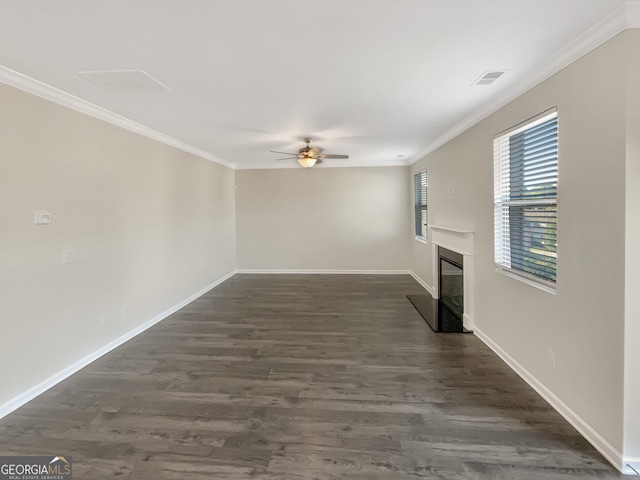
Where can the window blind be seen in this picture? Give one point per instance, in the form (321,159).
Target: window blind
(525,199)
(420,196)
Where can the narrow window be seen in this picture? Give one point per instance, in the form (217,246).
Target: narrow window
(525,200)
(420,191)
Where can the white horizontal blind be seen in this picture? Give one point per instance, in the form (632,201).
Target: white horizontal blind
(525,199)
(420,196)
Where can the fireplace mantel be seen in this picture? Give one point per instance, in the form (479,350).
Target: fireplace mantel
(456,239)
(459,240)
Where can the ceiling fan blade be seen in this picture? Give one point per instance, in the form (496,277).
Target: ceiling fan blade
(284,153)
(318,161)
(333,156)
(315,151)
(288,158)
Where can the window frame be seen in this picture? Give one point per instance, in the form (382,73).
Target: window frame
(421,205)
(504,205)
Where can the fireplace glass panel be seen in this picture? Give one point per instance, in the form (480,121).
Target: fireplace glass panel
(451,287)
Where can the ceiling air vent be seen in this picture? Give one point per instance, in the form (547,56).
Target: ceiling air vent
(124,81)
(487,78)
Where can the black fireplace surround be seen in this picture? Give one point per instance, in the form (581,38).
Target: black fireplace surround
(451,286)
(446,313)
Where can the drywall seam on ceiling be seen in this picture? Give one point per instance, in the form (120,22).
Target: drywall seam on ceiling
(40,89)
(626,16)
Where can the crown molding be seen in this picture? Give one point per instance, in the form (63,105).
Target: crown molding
(294,165)
(42,90)
(624,17)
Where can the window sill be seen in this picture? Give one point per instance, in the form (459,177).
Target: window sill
(545,287)
(422,240)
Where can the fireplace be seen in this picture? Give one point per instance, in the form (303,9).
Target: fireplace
(451,286)
(449,306)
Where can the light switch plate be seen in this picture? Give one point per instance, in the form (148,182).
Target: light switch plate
(69,255)
(42,218)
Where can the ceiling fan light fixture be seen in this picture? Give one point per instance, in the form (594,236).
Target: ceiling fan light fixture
(309,156)
(307,162)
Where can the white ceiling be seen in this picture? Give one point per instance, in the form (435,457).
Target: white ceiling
(384,81)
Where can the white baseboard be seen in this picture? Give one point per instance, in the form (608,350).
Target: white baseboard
(323,272)
(593,437)
(21,399)
(467,321)
(426,286)
(631,466)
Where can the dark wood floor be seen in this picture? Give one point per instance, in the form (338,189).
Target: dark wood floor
(302,377)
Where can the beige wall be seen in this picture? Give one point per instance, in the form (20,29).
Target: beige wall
(151,226)
(632,285)
(583,324)
(323,218)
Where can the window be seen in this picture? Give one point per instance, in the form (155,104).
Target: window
(525,200)
(420,191)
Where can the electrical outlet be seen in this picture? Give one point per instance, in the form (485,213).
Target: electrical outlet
(551,359)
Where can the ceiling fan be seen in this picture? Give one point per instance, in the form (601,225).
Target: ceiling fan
(308,156)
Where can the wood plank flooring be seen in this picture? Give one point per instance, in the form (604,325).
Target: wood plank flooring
(302,377)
